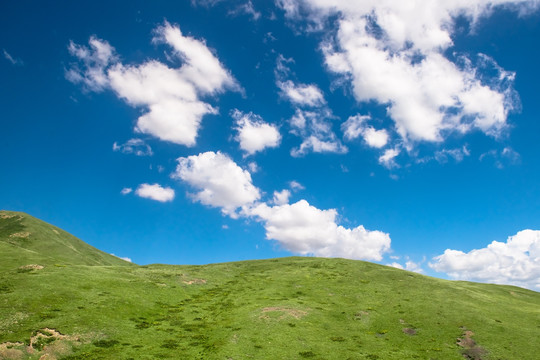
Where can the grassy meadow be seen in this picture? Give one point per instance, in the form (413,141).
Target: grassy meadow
(62,299)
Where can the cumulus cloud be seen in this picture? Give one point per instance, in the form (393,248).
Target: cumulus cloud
(134,146)
(254,134)
(172,97)
(126,191)
(220,181)
(393,52)
(356,126)
(299,227)
(155,192)
(304,229)
(281,197)
(514,262)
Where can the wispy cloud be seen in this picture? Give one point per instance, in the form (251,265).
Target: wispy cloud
(312,120)
(134,146)
(13,60)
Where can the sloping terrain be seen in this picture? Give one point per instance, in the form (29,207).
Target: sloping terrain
(25,239)
(290,308)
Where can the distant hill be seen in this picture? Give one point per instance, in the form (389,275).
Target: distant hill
(63,299)
(26,240)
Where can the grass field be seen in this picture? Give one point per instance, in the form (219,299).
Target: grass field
(62,299)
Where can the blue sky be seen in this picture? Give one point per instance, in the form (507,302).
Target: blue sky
(211,131)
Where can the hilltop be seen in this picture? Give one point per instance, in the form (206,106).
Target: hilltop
(63,299)
(25,239)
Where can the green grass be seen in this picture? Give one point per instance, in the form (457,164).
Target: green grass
(289,308)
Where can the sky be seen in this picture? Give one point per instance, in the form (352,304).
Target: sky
(195,132)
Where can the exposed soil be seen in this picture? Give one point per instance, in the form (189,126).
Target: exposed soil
(9,216)
(194,281)
(47,343)
(31,267)
(23,235)
(471,350)
(295,313)
(10,350)
(409,331)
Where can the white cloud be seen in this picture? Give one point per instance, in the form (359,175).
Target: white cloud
(11,59)
(356,126)
(506,156)
(392,52)
(514,262)
(281,197)
(172,96)
(299,227)
(387,159)
(253,133)
(95,60)
(248,9)
(155,192)
(126,191)
(301,94)
(222,183)
(315,128)
(123,258)
(253,167)
(442,156)
(295,185)
(304,229)
(134,146)
(409,266)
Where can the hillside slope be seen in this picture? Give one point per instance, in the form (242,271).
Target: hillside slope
(26,240)
(290,308)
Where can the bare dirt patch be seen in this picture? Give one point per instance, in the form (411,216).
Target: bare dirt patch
(46,343)
(471,350)
(10,350)
(31,267)
(4,215)
(22,235)
(409,331)
(194,281)
(286,312)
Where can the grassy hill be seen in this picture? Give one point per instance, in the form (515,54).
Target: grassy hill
(27,239)
(80,303)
